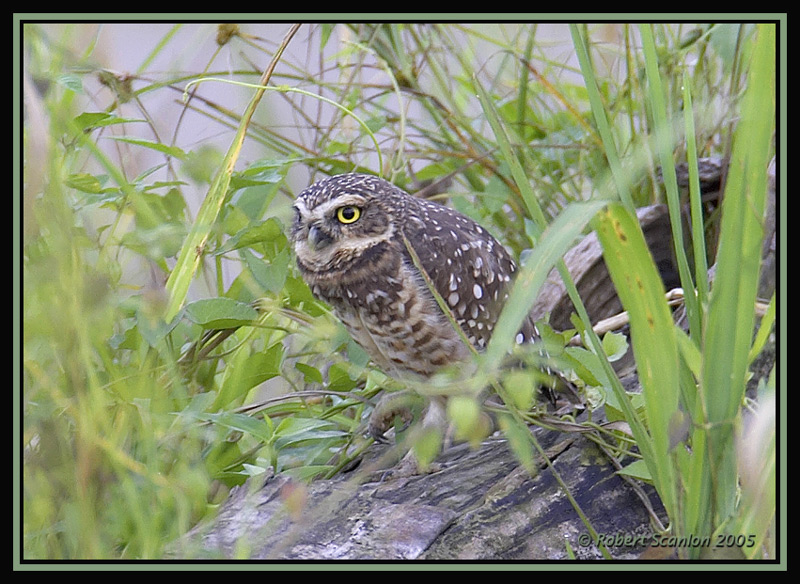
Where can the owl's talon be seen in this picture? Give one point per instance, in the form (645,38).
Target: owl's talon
(393,411)
(377,434)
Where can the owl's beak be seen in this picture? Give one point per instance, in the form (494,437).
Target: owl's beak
(318,239)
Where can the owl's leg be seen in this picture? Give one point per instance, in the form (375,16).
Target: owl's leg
(400,408)
(394,410)
(433,427)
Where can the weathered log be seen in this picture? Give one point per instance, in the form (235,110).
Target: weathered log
(479,504)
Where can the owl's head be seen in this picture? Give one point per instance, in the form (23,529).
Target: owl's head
(341,220)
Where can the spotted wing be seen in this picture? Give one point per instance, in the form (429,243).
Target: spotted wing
(468,267)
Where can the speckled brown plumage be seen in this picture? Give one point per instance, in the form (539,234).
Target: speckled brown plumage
(348,236)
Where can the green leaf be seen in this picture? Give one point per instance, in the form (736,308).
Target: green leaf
(509,112)
(152,328)
(519,441)
(764,331)
(86,183)
(637,470)
(89,120)
(173,151)
(436,170)
(376,123)
(246,371)
(200,164)
(339,378)
(520,387)
(621,178)
(327,29)
(173,203)
(615,345)
(426,446)
(260,173)
(240,422)
(163,184)
(517,171)
(334,148)
(294,431)
(254,200)
(665,143)
(617,411)
(468,419)
(220,313)
(72,82)
(252,470)
(268,231)
(690,353)
(270,275)
(310,374)
(308,472)
(159,242)
(587,365)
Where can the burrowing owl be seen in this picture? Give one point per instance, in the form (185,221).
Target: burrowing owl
(352,234)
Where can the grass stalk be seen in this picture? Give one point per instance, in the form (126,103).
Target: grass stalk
(731,314)
(192,250)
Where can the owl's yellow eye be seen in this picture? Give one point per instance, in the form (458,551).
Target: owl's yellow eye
(348,214)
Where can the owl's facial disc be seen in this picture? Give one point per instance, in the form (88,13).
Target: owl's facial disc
(333,233)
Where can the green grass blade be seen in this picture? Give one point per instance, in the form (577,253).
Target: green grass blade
(549,250)
(598,110)
(191,252)
(521,297)
(764,330)
(652,336)
(696,205)
(731,315)
(504,142)
(665,144)
(159,48)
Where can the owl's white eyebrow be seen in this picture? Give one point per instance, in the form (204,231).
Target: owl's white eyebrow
(301,208)
(326,207)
